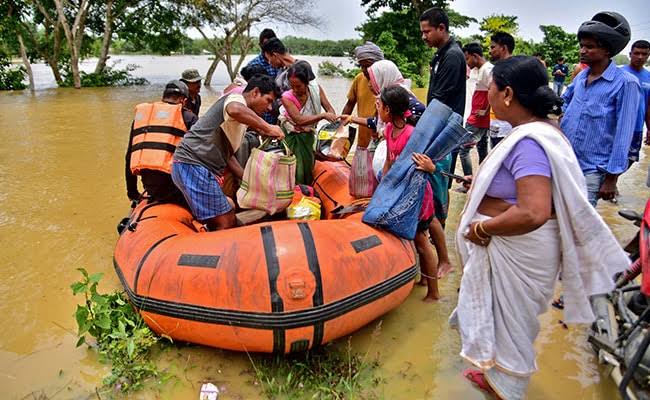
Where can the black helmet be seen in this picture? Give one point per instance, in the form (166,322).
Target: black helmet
(610,28)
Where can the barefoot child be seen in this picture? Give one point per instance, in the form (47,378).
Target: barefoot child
(393,110)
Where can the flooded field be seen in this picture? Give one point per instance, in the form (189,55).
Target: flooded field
(62,193)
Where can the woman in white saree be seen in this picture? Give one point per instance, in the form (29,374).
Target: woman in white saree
(527,220)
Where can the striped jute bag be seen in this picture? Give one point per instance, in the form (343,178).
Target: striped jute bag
(268,181)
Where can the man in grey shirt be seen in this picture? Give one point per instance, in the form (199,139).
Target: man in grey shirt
(209,147)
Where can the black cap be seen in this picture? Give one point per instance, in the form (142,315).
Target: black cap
(176,87)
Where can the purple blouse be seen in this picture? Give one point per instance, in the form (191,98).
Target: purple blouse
(525,159)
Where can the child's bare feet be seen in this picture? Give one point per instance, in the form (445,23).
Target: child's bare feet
(444,268)
(431,298)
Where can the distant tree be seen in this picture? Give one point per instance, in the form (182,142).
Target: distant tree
(232,20)
(74,31)
(559,43)
(12,34)
(498,23)
(41,32)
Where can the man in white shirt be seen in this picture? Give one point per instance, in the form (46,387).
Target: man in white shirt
(478,121)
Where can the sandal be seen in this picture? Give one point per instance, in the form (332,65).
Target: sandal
(478,379)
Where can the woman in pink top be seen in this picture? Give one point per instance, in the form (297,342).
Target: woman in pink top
(393,110)
(302,108)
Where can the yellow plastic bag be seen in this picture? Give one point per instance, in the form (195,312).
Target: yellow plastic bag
(303,207)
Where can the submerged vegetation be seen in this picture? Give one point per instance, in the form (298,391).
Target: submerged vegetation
(109,76)
(328,68)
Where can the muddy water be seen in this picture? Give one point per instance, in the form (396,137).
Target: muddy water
(61,195)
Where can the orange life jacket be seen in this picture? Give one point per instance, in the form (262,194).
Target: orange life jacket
(157,130)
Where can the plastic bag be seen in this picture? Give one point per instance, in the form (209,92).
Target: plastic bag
(304,204)
(333,141)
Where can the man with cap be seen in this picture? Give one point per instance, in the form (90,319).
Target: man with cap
(192,79)
(360,93)
(156,130)
(601,105)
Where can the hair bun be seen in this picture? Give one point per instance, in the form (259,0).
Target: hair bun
(546,101)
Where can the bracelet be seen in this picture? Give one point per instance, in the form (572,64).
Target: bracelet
(349,119)
(481,228)
(477,234)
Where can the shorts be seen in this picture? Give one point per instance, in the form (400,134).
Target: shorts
(201,190)
(423,225)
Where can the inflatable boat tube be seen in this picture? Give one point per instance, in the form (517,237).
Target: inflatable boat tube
(280,286)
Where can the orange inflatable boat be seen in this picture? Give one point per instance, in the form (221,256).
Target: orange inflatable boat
(279,286)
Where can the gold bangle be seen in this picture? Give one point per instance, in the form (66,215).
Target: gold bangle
(349,119)
(477,234)
(481,228)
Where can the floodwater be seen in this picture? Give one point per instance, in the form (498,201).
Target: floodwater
(61,195)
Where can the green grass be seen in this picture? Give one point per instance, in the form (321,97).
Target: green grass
(334,371)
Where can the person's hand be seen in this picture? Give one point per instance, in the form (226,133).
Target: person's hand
(345,118)
(608,188)
(275,131)
(331,117)
(466,184)
(476,236)
(134,195)
(423,163)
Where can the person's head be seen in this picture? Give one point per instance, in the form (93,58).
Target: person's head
(273,51)
(299,76)
(260,92)
(176,92)
(192,79)
(366,55)
(639,54)
(502,44)
(393,103)
(603,37)
(434,25)
(519,88)
(251,70)
(382,74)
(265,35)
(474,55)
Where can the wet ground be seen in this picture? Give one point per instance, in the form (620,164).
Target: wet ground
(61,195)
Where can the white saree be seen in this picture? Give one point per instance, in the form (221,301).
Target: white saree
(508,284)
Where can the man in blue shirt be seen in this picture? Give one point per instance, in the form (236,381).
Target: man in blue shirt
(560,72)
(638,58)
(261,60)
(601,105)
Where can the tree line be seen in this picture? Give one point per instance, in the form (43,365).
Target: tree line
(62,32)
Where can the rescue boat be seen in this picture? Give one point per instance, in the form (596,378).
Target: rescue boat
(274,286)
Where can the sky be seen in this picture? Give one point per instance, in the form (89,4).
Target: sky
(341,17)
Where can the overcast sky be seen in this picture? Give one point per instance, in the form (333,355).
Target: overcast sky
(343,16)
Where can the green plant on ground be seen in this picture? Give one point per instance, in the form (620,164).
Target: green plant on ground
(122,339)
(328,372)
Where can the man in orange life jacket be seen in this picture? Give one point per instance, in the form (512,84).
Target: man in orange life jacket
(156,131)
